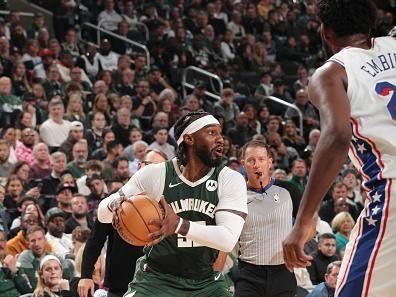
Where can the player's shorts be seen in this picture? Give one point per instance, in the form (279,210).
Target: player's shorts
(369,265)
(148,282)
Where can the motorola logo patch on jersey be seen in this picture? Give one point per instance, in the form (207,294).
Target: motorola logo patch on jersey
(211,185)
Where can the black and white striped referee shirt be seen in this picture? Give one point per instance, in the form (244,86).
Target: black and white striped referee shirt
(268,223)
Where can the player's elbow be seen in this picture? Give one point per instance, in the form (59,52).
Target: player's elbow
(104,214)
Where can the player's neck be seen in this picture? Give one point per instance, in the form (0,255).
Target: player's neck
(195,170)
(356,40)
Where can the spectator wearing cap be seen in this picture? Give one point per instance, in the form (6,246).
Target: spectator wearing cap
(60,242)
(108,59)
(28,262)
(80,215)
(97,185)
(18,244)
(76,133)
(80,156)
(64,195)
(55,130)
(227,108)
(41,166)
(42,70)
(10,105)
(160,142)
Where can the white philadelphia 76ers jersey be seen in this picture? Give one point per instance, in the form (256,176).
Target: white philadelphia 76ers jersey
(372,94)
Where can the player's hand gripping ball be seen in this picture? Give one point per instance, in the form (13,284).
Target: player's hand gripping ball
(131,219)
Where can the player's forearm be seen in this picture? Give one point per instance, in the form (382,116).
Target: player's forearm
(222,236)
(329,157)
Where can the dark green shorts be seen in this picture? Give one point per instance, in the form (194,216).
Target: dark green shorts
(148,282)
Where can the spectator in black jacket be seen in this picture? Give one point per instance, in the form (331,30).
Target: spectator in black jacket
(325,254)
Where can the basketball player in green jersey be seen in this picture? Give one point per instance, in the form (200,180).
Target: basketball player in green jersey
(205,206)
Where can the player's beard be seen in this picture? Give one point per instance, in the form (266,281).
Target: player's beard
(204,155)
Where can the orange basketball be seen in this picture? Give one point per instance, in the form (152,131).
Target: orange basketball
(134,215)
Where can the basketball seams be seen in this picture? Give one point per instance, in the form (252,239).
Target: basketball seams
(125,226)
(140,215)
(157,209)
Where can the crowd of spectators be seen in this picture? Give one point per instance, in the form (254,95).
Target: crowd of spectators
(76,119)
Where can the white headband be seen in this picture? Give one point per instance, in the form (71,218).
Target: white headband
(197,125)
(48,258)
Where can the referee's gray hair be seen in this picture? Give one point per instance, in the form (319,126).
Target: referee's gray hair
(56,155)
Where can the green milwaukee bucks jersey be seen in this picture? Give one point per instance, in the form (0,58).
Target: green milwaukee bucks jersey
(195,202)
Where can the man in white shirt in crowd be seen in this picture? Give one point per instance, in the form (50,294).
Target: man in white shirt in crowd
(55,130)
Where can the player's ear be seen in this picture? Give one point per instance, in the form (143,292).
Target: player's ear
(188,139)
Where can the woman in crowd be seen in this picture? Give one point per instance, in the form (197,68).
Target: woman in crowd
(50,282)
(342,225)
(20,81)
(74,110)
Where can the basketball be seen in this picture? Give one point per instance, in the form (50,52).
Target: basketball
(134,215)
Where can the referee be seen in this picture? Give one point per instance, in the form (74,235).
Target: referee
(262,272)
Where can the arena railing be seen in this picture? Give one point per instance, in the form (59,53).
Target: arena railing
(115,35)
(186,84)
(134,25)
(292,106)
